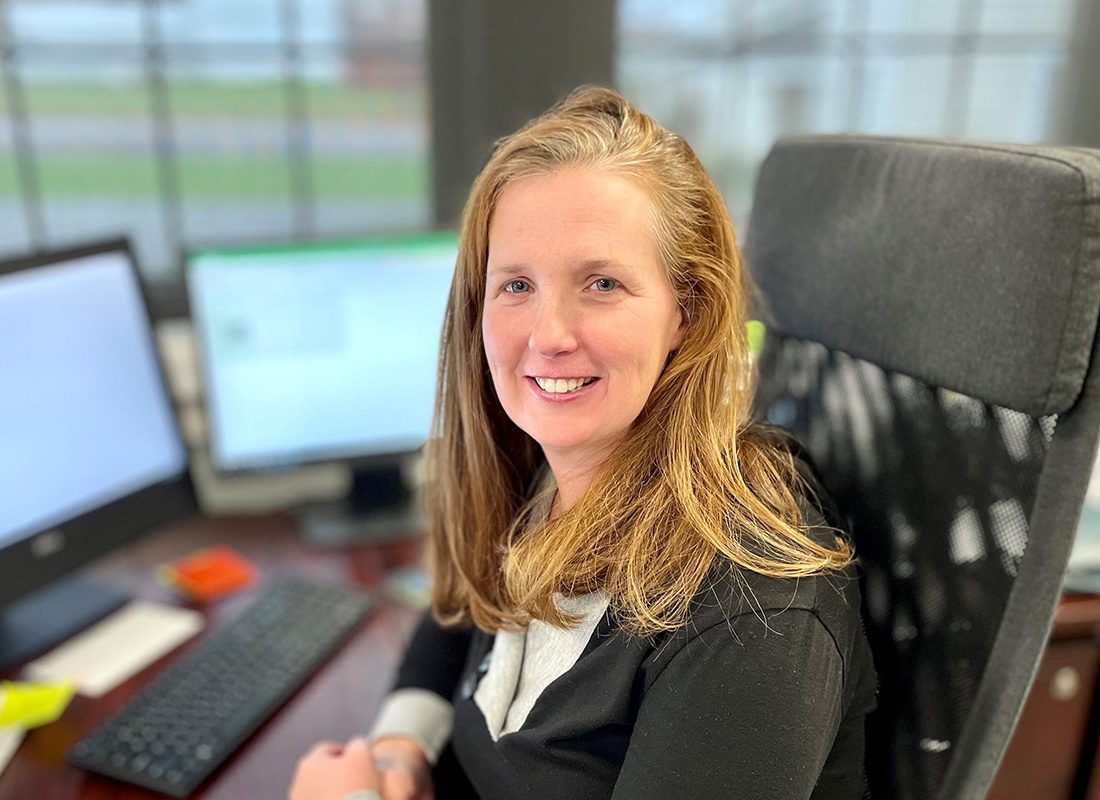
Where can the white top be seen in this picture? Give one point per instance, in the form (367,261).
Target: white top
(523,663)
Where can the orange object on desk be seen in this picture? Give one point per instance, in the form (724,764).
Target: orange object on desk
(208,574)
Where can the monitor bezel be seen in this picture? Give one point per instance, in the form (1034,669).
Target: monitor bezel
(354,460)
(43,556)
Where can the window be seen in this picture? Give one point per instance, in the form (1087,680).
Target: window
(733,75)
(183,123)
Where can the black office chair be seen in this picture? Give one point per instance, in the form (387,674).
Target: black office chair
(932,343)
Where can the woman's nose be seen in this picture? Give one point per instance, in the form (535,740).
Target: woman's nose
(553,331)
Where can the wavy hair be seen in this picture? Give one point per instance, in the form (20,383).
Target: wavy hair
(695,481)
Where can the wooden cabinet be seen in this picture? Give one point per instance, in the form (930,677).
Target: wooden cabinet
(1052,742)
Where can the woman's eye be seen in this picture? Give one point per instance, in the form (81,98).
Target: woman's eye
(605,284)
(517,286)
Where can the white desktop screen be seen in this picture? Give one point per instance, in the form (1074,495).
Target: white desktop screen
(319,352)
(84,414)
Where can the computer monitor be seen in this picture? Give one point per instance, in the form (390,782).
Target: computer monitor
(90,453)
(324,351)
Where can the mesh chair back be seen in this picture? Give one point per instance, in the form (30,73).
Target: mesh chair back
(933,309)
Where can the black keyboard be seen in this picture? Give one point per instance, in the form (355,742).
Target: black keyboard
(178,729)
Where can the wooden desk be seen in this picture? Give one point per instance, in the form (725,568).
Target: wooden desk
(339,701)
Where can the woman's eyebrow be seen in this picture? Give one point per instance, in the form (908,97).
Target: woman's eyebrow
(506,269)
(587,265)
(600,264)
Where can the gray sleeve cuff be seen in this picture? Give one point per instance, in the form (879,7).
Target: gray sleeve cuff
(419,714)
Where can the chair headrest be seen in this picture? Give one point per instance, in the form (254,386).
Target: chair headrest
(974,267)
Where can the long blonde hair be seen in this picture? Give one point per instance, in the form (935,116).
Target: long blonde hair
(695,481)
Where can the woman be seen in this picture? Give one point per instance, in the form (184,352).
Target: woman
(658,607)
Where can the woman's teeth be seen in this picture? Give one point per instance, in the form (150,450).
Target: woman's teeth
(562,385)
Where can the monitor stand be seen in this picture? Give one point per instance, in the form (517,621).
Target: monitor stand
(378,508)
(49,616)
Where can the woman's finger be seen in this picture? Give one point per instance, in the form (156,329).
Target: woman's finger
(397,785)
(357,751)
(325,748)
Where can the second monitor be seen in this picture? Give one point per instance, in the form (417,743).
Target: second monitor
(321,352)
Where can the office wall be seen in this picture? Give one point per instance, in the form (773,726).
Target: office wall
(496,65)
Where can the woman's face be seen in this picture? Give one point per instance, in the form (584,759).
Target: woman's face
(579,313)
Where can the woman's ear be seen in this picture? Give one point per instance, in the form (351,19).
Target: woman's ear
(681,329)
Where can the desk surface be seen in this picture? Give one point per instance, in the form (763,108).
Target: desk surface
(338,702)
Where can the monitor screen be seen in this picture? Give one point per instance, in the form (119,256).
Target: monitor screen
(89,446)
(318,352)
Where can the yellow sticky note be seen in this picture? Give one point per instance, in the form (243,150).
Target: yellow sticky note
(32,704)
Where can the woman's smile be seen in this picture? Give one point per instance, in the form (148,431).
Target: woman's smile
(561,390)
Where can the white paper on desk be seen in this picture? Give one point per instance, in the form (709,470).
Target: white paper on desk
(10,737)
(117,647)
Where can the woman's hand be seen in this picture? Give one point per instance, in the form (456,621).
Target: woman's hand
(331,771)
(395,767)
(403,769)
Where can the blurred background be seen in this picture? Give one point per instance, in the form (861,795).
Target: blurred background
(289,174)
(187,123)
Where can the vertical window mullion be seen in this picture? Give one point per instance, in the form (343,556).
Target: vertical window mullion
(165,154)
(964,54)
(297,123)
(26,162)
(855,50)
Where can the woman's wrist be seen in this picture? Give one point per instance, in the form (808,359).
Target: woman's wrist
(416,714)
(398,743)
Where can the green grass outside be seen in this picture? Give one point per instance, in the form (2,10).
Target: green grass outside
(112,175)
(205,100)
